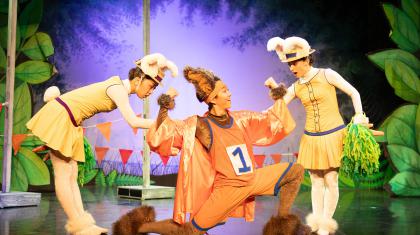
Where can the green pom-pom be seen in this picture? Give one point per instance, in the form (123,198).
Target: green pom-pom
(361,152)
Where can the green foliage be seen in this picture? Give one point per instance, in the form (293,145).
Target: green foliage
(402,70)
(34,72)
(22,108)
(404,31)
(27,167)
(30,18)
(18,178)
(405,184)
(403,79)
(38,47)
(36,170)
(110,178)
(100,178)
(123,180)
(407,58)
(86,170)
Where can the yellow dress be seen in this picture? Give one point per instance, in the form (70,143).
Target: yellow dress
(321,145)
(53,124)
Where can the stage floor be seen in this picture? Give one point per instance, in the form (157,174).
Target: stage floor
(358,212)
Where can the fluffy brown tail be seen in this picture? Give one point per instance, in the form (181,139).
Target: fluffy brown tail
(129,223)
(286,225)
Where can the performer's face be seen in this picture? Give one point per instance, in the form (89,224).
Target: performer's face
(223,99)
(145,88)
(299,67)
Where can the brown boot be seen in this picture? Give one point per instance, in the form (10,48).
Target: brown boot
(286,225)
(169,227)
(129,223)
(290,186)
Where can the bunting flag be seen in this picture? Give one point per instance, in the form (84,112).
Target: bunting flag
(1,107)
(296,155)
(100,153)
(125,155)
(105,129)
(164,159)
(135,130)
(259,159)
(276,157)
(16,141)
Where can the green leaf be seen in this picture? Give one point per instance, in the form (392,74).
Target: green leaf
(31,142)
(18,181)
(22,108)
(412,9)
(3,61)
(407,58)
(34,72)
(4,32)
(400,22)
(30,18)
(403,158)
(402,78)
(110,178)
(90,175)
(345,181)
(418,127)
(399,133)
(406,184)
(100,178)
(38,47)
(402,41)
(36,170)
(404,113)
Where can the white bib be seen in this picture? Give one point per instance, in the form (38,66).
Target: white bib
(239,157)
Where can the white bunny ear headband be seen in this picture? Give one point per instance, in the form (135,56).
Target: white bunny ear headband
(290,49)
(155,66)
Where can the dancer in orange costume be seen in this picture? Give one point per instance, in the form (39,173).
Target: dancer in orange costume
(217,178)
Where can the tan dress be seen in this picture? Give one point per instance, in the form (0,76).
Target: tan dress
(321,145)
(53,123)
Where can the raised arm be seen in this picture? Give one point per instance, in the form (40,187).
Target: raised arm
(270,126)
(166,136)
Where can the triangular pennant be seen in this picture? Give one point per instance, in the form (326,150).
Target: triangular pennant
(296,155)
(164,159)
(1,107)
(16,141)
(259,159)
(135,130)
(125,155)
(276,157)
(100,153)
(105,129)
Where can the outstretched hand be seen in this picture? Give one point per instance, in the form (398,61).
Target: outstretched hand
(167,100)
(277,91)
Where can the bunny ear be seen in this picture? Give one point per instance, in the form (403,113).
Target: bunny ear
(172,67)
(274,43)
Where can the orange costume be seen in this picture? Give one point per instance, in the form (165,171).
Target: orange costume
(221,183)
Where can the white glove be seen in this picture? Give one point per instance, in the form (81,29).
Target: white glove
(360,118)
